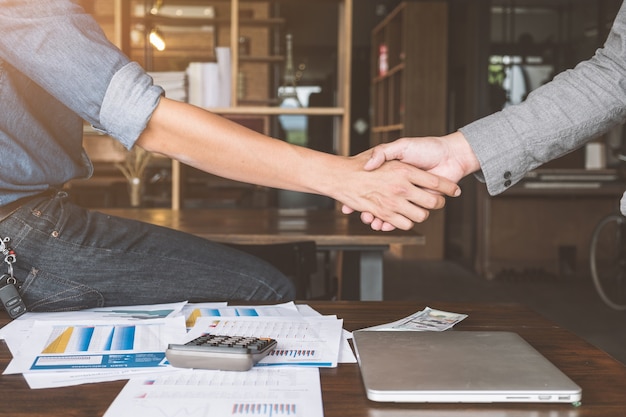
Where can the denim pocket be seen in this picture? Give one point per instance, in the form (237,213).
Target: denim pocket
(51,212)
(42,291)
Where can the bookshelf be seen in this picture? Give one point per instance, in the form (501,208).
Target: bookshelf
(408,90)
(409,72)
(253,31)
(258,61)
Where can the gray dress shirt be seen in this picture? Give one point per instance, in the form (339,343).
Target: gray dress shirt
(559,117)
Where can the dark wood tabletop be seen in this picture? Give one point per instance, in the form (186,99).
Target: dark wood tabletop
(254,226)
(361,247)
(602,378)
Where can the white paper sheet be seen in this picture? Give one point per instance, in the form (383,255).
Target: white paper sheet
(193,311)
(261,392)
(85,345)
(19,329)
(304,341)
(20,332)
(44,380)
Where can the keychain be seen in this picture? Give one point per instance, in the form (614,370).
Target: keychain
(9,296)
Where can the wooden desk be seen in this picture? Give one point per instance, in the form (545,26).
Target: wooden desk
(330,229)
(603,379)
(530,227)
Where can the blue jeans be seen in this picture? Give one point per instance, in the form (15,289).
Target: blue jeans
(70,258)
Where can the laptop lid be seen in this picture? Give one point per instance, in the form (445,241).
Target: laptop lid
(458,366)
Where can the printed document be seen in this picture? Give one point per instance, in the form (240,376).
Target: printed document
(292,392)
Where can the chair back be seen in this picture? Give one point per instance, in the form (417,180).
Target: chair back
(297,260)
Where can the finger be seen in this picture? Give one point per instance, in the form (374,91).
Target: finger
(346,210)
(433,182)
(377,224)
(404,221)
(382,225)
(402,217)
(388,227)
(419,201)
(415,207)
(367,218)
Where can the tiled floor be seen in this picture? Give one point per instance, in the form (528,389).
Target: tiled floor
(572,304)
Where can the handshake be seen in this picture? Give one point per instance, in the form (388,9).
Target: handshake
(425,170)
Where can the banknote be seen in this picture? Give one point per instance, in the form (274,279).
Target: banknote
(429,319)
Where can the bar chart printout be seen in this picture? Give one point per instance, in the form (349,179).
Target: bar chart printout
(58,346)
(91,339)
(100,346)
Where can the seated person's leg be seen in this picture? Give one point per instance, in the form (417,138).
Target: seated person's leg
(71,258)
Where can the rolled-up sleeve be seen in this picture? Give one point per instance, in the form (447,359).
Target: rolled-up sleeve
(60,47)
(128,104)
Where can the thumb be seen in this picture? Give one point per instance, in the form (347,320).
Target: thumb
(377,158)
(385,152)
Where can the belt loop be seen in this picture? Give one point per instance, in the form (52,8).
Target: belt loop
(8,209)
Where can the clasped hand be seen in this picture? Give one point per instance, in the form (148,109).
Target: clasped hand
(442,162)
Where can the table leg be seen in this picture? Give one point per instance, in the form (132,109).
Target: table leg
(362,274)
(371,265)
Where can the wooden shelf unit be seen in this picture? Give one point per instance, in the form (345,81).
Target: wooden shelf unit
(260,62)
(409,91)
(409,86)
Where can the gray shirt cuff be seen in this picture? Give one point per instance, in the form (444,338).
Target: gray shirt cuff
(128,104)
(498,152)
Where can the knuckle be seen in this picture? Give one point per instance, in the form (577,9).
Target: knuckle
(431,201)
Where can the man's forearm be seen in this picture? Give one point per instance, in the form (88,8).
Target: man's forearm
(216,145)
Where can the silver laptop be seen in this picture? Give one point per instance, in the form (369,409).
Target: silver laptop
(458,366)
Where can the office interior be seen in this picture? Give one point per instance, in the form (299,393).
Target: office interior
(529,245)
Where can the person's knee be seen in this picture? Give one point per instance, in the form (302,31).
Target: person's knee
(289,291)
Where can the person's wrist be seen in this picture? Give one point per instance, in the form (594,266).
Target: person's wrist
(461,150)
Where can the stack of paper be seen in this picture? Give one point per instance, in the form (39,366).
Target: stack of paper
(70,348)
(57,349)
(209,83)
(173,82)
(105,344)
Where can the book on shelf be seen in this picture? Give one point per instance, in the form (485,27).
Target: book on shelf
(209,82)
